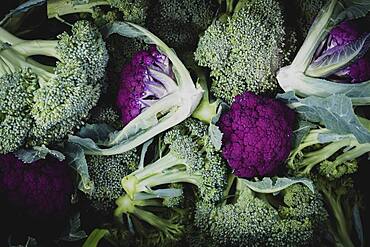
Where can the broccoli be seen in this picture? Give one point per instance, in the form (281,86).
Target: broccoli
(105,115)
(45,103)
(191,159)
(251,219)
(180,22)
(257,135)
(129,10)
(106,173)
(335,157)
(341,199)
(245,51)
(40,190)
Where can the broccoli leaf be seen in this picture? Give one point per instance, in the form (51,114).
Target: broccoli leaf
(300,133)
(334,112)
(213,130)
(37,153)
(356,9)
(268,185)
(76,159)
(22,8)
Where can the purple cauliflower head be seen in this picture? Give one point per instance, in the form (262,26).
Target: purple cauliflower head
(40,189)
(257,135)
(340,36)
(145,80)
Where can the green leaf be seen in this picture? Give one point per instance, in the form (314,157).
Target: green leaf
(338,58)
(37,153)
(214,131)
(334,112)
(273,185)
(76,159)
(95,237)
(21,9)
(301,132)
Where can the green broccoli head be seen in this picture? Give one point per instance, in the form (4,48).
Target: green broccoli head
(179,22)
(16,99)
(245,51)
(191,159)
(298,218)
(106,173)
(52,100)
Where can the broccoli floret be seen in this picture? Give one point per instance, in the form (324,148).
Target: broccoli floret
(180,22)
(335,157)
(129,10)
(252,219)
(105,115)
(175,201)
(52,100)
(245,51)
(191,159)
(106,173)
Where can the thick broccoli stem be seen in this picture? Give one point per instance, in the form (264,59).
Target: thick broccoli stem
(57,8)
(342,227)
(11,61)
(205,110)
(166,170)
(125,205)
(38,47)
(9,38)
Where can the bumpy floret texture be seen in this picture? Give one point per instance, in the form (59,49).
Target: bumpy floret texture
(16,99)
(106,173)
(253,221)
(139,87)
(257,135)
(245,52)
(178,22)
(41,189)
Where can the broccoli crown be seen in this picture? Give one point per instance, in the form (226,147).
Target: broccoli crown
(179,23)
(41,189)
(16,98)
(105,115)
(53,100)
(246,50)
(257,135)
(144,81)
(191,159)
(251,220)
(106,173)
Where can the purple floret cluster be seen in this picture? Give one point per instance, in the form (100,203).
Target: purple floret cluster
(40,189)
(142,83)
(257,135)
(340,36)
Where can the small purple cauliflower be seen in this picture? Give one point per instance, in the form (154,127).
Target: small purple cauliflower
(346,33)
(145,80)
(257,135)
(41,189)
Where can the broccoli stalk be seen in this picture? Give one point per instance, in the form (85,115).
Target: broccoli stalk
(337,193)
(134,11)
(167,227)
(332,155)
(192,159)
